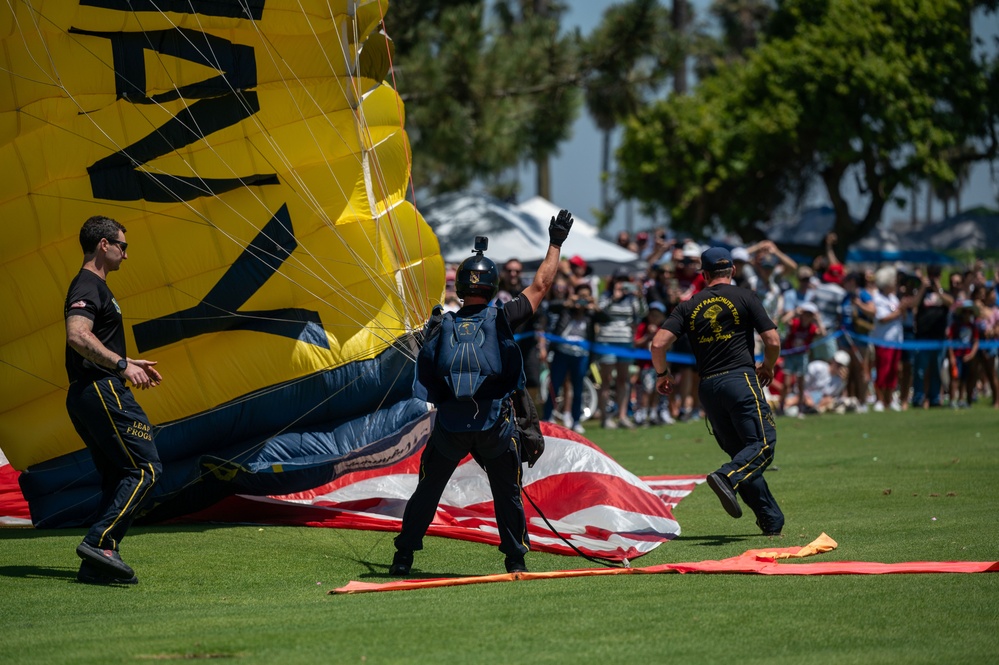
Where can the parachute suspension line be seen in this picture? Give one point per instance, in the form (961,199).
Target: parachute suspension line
(349,93)
(409,154)
(112,142)
(374,331)
(33,375)
(389,224)
(232,460)
(303,191)
(369,156)
(320,213)
(597,560)
(34,14)
(254,449)
(206,190)
(201,218)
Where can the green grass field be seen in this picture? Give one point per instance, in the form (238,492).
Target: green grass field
(888,487)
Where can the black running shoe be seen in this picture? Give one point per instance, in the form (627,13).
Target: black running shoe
(725,493)
(93,574)
(768,530)
(402,562)
(108,560)
(515,564)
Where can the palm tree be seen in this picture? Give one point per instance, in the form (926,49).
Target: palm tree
(628,57)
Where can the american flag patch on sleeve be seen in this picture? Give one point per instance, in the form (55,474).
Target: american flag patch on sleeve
(79,304)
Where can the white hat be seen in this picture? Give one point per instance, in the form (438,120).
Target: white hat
(842,357)
(691,250)
(740,254)
(809,307)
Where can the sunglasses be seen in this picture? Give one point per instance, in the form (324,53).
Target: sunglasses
(122,245)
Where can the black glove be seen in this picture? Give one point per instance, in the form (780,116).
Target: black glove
(433,323)
(558,229)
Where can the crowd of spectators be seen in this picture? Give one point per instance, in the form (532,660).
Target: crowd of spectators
(854,338)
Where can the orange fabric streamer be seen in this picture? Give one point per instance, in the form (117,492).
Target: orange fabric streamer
(758,561)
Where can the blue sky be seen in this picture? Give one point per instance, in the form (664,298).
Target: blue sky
(576,170)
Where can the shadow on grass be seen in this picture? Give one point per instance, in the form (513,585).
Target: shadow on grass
(718,541)
(38,572)
(29,533)
(379,571)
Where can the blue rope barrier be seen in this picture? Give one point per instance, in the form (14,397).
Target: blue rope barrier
(688,359)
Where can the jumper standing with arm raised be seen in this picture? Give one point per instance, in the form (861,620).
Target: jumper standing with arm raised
(480,420)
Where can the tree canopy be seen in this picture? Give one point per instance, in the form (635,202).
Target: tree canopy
(886,92)
(484,92)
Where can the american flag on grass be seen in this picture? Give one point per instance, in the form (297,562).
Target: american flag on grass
(591,500)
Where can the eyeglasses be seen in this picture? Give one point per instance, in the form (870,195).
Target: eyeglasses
(122,245)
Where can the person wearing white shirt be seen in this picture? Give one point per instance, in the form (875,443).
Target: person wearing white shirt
(888,314)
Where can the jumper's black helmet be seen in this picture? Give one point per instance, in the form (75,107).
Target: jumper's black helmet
(477,275)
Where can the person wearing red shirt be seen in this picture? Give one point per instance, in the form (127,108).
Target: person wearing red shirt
(802,331)
(964,330)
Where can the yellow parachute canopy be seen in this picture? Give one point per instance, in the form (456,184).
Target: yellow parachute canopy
(260,166)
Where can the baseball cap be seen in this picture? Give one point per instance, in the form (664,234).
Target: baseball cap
(578,261)
(716,258)
(834,274)
(842,357)
(809,307)
(691,250)
(655,304)
(968,305)
(768,261)
(740,254)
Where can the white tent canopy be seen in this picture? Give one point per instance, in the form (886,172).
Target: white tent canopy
(543,210)
(513,233)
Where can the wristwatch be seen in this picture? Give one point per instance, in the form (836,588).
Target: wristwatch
(122,365)
(663,373)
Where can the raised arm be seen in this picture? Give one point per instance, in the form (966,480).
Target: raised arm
(558,231)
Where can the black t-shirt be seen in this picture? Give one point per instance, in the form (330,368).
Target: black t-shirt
(931,317)
(719,323)
(90,296)
(518,310)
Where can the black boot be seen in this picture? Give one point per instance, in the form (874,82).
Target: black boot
(515,564)
(401,563)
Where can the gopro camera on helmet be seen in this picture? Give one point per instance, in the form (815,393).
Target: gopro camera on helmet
(477,275)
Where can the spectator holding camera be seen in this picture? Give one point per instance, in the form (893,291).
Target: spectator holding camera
(933,305)
(988,329)
(988,324)
(803,328)
(571,358)
(965,331)
(621,307)
(648,411)
(857,316)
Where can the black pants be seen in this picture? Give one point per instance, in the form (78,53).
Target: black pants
(116,431)
(504,473)
(743,425)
